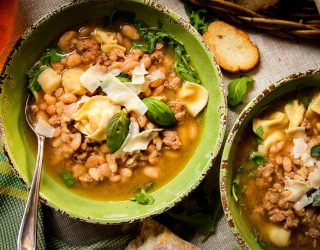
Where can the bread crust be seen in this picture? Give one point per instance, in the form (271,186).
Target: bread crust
(232,47)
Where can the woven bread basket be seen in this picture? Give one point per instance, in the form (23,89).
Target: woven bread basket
(286,19)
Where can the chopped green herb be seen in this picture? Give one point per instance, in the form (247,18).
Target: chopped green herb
(67,178)
(252,174)
(316,198)
(259,131)
(235,184)
(143,198)
(290,101)
(257,158)
(33,74)
(123,77)
(260,141)
(263,245)
(315,150)
(149,37)
(305,100)
(237,89)
(51,55)
(199,17)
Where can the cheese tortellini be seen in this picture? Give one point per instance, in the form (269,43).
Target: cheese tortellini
(269,124)
(294,112)
(92,118)
(272,130)
(194,96)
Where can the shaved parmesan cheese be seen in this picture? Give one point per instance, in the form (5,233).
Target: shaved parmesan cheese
(122,95)
(303,202)
(140,141)
(155,75)
(297,188)
(44,128)
(138,74)
(92,78)
(194,96)
(136,88)
(140,70)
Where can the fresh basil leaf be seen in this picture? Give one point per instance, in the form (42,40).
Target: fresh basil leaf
(67,178)
(33,74)
(159,113)
(51,55)
(237,89)
(117,131)
(315,150)
(123,77)
(143,198)
(234,187)
(316,198)
(199,17)
(257,158)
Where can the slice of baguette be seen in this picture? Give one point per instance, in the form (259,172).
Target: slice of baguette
(232,48)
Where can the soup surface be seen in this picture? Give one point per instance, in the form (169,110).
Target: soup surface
(277,180)
(121,107)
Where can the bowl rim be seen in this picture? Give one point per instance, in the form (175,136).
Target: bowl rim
(222,110)
(273,87)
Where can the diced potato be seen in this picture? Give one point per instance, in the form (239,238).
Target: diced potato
(104,37)
(71,82)
(194,96)
(277,235)
(107,48)
(49,80)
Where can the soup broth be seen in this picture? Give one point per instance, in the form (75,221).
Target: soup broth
(276,178)
(120,117)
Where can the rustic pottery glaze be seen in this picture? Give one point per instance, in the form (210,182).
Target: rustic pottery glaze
(15,131)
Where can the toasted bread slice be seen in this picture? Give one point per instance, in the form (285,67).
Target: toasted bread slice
(232,48)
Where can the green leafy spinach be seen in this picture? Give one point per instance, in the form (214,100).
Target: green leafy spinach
(51,55)
(257,158)
(234,188)
(150,36)
(237,89)
(142,197)
(199,17)
(67,178)
(33,74)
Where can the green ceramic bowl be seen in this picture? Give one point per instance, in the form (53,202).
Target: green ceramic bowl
(244,235)
(14,92)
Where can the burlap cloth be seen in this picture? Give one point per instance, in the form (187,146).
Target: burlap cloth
(278,58)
